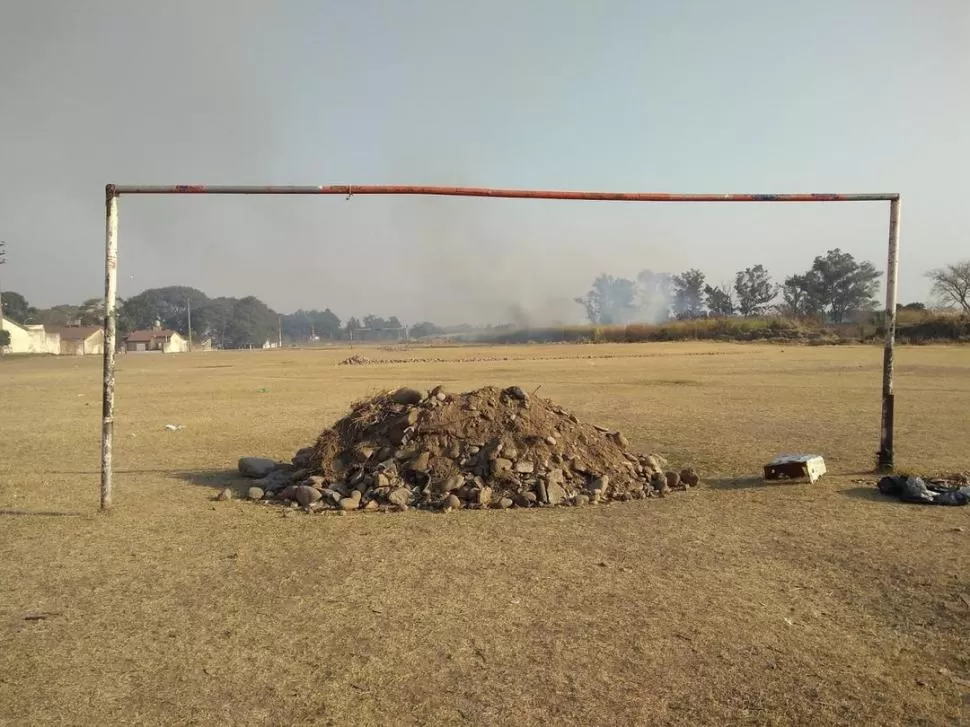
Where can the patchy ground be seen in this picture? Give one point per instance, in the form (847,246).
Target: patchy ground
(735,603)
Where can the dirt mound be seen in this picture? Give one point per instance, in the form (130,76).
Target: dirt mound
(485,448)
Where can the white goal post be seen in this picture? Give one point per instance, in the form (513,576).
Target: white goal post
(884,457)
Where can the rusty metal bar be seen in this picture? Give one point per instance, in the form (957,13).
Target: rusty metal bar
(110,330)
(886,457)
(350,190)
(112,192)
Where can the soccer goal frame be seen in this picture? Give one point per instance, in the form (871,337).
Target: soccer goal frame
(884,456)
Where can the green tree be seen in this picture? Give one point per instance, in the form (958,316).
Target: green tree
(252,324)
(167,305)
(689,294)
(842,285)
(91,312)
(16,307)
(58,315)
(719,301)
(424,329)
(610,301)
(799,297)
(755,291)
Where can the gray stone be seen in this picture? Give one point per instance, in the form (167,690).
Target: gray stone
(484,496)
(581,500)
(673,479)
(333,497)
(525,467)
(256,493)
(349,503)
(515,392)
(522,499)
(551,441)
(504,503)
(452,502)
(226,494)
(555,494)
(381,480)
(306,495)
(302,458)
(401,497)
(355,495)
(287,493)
(601,484)
(371,505)
(555,477)
(407,396)
(256,467)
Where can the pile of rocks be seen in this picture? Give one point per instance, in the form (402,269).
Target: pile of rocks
(498,448)
(355,360)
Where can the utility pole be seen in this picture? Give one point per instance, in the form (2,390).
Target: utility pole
(188,302)
(3,259)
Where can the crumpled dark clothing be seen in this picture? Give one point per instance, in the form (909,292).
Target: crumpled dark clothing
(914,489)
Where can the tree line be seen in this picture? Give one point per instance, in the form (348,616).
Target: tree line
(228,322)
(835,288)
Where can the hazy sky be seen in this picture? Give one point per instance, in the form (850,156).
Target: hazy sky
(687,96)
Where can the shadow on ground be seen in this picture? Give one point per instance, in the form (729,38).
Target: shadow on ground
(865,493)
(750,483)
(217,479)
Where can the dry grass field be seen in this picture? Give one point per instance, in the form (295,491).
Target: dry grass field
(735,603)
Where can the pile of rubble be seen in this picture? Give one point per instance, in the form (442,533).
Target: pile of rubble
(498,448)
(355,360)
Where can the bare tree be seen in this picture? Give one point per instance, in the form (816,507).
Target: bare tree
(951,284)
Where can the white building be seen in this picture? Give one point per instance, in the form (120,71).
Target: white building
(31,339)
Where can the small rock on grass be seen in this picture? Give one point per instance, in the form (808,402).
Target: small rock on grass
(256,493)
(452,502)
(504,503)
(306,495)
(349,503)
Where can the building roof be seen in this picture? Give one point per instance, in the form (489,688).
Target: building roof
(150,335)
(76,333)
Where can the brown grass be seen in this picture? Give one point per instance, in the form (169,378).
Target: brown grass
(735,603)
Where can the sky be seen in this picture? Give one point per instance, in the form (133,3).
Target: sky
(639,95)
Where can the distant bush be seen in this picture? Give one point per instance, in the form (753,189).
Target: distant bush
(931,327)
(912,327)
